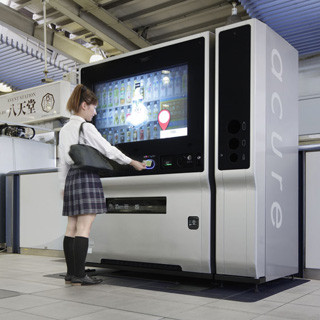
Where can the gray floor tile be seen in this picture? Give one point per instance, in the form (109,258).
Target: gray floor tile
(210,313)
(166,296)
(267,317)
(31,289)
(116,315)
(24,286)
(317,292)
(91,295)
(259,307)
(25,301)
(63,310)
(284,297)
(296,312)
(41,278)
(309,300)
(4,310)
(158,307)
(17,315)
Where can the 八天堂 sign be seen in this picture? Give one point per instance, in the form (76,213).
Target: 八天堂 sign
(39,103)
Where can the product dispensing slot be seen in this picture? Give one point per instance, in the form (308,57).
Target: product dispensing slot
(138,205)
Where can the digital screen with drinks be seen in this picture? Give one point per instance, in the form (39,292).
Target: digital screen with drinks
(143,107)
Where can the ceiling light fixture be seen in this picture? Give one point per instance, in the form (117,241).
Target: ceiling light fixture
(234,13)
(5,88)
(97,56)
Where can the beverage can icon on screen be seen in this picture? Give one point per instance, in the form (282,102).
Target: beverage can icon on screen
(116,94)
(122,116)
(128,135)
(116,137)
(155,131)
(135,135)
(148,132)
(122,136)
(110,96)
(122,93)
(141,134)
(129,92)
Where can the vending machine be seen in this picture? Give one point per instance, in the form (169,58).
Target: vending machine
(216,121)
(156,105)
(256,153)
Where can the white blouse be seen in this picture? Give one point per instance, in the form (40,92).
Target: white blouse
(69,135)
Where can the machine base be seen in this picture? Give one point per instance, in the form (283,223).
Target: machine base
(143,267)
(223,277)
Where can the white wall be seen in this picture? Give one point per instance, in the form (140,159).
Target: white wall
(309,96)
(42,225)
(312,234)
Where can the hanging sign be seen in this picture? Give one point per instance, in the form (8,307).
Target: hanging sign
(42,103)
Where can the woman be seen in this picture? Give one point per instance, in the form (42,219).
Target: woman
(83,195)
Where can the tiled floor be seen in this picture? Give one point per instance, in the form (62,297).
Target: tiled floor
(31,287)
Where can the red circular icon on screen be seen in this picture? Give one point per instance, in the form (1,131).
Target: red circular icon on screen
(164,118)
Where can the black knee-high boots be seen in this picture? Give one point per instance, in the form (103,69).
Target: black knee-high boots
(68,248)
(80,253)
(75,252)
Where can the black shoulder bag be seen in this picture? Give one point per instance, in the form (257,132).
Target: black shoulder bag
(88,158)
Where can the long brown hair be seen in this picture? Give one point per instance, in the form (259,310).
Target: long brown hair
(80,94)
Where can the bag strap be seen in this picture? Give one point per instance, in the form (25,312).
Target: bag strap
(81,130)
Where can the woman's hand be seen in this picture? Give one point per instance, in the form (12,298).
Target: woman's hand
(138,165)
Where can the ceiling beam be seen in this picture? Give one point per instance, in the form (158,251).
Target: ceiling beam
(10,17)
(151,10)
(111,21)
(103,2)
(56,41)
(189,14)
(91,23)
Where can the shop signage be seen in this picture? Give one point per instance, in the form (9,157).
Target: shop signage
(42,103)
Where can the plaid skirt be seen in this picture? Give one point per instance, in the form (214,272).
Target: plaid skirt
(83,193)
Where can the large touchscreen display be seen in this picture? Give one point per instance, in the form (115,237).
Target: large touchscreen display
(144,106)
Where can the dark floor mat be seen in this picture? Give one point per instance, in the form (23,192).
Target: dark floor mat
(198,287)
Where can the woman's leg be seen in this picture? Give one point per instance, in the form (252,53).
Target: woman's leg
(83,226)
(68,246)
(72,226)
(81,243)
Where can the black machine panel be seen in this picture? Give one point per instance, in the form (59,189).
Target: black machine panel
(234,98)
(151,106)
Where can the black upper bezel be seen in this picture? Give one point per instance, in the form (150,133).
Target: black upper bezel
(190,53)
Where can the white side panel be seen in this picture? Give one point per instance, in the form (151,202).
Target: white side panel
(240,247)
(22,154)
(42,225)
(235,207)
(312,258)
(281,158)
(257,208)
(33,154)
(259,125)
(7,162)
